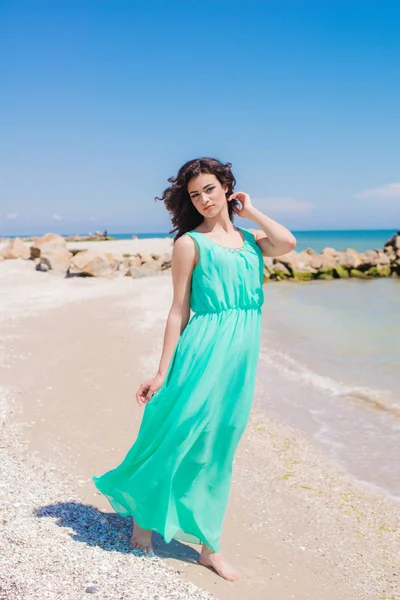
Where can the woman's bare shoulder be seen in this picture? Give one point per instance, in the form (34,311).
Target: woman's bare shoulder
(185,249)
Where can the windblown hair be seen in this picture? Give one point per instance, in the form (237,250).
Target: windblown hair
(184,215)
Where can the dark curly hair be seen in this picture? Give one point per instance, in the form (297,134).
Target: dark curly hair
(178,202)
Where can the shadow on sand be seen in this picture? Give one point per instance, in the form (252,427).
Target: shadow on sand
(110,531)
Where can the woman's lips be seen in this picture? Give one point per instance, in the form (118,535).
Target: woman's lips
(208,207)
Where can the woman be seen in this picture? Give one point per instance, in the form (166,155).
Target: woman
(176,478)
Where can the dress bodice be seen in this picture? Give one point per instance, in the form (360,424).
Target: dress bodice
(227,278)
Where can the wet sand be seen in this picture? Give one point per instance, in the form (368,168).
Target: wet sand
(73,353)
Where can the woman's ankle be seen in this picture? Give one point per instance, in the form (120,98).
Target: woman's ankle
(206,551)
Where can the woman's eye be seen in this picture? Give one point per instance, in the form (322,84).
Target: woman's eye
(207,190)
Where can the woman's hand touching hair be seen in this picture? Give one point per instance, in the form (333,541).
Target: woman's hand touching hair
(246,203)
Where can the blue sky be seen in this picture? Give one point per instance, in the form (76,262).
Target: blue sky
(103,101)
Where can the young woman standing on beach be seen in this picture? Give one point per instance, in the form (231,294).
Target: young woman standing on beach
(176,477)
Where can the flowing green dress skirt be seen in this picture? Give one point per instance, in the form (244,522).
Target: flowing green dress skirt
(176,478)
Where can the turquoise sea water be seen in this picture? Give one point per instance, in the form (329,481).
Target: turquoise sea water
(330,364)
(360,240)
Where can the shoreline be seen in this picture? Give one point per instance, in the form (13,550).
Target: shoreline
(338,428)
(295,524)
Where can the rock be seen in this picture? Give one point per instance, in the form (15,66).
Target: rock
(328,272)
(114,259)
(349,260)
(42,266)
(268,262)
(281,270)
(49,241)
(316,261)
(332,264)
(302,275)
(128,261)
(379,271)
(382,258)
(304,258)
(150,261)
(394,242)
(329,261)
(289,261)
(135,261)
(390,253)
(124,266)
(166,265)
(165,260)
(322,261)
(15,249)
(358,273)
(56,261)
(93,263)
(330,251)
(368,258)
(302,261)
(341,273)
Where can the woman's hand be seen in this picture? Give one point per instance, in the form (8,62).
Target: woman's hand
(148,388)
(246,203)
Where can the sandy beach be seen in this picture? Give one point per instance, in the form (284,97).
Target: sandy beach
(73,353)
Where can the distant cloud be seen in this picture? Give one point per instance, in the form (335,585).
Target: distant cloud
(283,204)
(390,191)
(11,216)
(57,217)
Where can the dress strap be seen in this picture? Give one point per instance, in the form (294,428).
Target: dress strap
(248,236)
(196,237)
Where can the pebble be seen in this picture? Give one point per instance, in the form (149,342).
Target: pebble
(52,543)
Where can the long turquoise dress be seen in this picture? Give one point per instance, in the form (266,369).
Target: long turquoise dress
(176,478)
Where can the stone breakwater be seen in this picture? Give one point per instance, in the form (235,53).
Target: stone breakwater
(50,253)
(333,264)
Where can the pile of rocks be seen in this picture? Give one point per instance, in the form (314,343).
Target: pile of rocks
(50,253)
(332,264)
(91,237)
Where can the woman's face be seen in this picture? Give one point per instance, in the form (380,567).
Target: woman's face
(207,194)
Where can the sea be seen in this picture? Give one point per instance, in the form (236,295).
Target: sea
(330,360)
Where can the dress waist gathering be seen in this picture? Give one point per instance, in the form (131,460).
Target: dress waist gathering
(226,309)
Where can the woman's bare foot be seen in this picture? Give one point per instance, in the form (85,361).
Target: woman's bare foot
(208,558)
(141,538)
